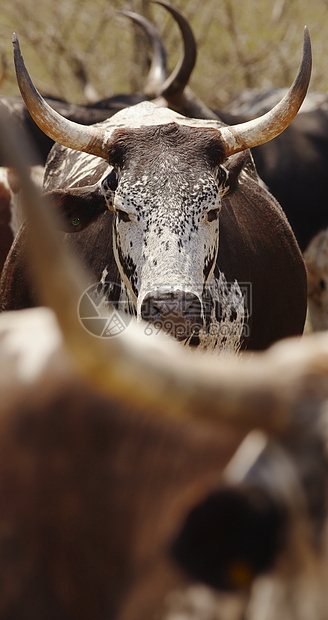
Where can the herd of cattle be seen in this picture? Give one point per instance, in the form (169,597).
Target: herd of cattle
(134,467)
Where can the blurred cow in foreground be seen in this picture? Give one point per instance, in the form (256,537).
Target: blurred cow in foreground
(11,214)
(112,485)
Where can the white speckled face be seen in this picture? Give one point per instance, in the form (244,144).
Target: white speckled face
(167,203)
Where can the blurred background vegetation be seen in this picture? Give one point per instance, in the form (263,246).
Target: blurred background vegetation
(82,50)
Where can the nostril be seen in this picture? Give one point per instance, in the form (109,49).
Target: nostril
(154,312)
(193,309)
(150,311)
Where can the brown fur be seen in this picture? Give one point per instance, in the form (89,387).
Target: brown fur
(91,501)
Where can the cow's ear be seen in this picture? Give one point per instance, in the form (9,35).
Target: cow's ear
(77,207)
(228,175)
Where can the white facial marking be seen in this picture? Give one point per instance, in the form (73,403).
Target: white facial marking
(166,230)
(168,244)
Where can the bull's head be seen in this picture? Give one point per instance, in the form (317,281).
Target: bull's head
(165,186)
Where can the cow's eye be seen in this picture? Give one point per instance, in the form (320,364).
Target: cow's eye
(123,216)
(222,176)
(111,181)
(212,215)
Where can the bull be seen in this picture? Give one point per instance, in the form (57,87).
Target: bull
(152,183)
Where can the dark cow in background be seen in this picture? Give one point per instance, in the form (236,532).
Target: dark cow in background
(293,166)
(316,262)
(295,171)
(22,119)
(163,188)
(156,84)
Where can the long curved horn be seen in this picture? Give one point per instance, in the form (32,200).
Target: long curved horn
(260,130)
(79,137)
(177,81)
(157,72)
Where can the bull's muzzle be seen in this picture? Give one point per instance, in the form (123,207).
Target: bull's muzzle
(176,312)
